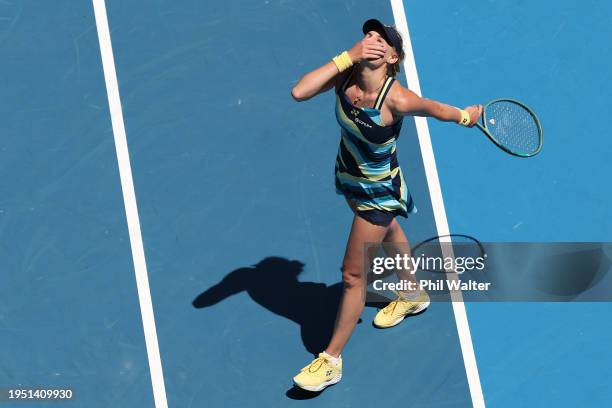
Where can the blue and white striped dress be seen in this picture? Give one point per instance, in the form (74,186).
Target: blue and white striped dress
(367,170)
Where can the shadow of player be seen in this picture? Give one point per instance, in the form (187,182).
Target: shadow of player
(273,283)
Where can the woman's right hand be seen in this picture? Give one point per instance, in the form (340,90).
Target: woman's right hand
(475,111)
(367,49)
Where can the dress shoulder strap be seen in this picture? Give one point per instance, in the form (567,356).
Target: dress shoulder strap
(383,93)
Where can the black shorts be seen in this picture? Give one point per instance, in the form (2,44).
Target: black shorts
(377,217)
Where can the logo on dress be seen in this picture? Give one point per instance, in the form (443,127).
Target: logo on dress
(355,112)
(361,122)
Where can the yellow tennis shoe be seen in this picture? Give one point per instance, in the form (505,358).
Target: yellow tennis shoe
(396,311)
(319,374)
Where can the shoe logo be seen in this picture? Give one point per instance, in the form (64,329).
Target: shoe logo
(328,373)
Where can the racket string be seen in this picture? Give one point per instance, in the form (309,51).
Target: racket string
(513,126)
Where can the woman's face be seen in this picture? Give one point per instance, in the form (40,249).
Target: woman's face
(390,53)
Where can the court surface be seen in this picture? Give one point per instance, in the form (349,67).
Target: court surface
(242,231)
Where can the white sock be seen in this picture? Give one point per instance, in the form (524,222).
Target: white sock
(411,295)
(331,358)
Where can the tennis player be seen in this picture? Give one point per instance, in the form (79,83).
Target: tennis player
(370,106)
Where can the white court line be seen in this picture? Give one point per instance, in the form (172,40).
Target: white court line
(131,209)
(435,192)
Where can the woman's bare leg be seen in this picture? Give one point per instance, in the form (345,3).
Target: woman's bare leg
(396,243)
(354,278)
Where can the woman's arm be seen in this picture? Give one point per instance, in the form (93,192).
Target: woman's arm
(324,78)
(404,102)
(315,82)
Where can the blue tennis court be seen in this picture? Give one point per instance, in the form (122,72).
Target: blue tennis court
(242,233)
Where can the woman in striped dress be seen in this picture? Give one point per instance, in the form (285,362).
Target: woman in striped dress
(370,106)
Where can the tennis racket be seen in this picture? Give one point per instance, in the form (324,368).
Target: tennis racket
(512,126)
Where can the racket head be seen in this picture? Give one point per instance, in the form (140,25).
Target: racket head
(512,126)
